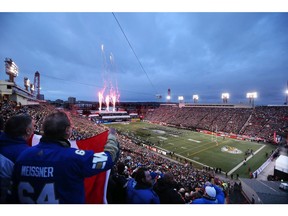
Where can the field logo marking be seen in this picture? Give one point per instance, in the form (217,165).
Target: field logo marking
(231,150)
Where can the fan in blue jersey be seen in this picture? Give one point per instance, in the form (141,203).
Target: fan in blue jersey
(140,188)
(18,129)
(52,172)
(212,195)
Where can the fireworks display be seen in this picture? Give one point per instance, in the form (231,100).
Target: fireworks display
(109,94)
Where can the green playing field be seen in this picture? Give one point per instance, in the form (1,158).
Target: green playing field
(199,148)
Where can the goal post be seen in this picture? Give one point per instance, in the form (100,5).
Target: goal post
(214,137)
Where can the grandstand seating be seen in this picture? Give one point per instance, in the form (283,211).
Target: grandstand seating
(260,122)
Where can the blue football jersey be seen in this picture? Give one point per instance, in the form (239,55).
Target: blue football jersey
(50,173)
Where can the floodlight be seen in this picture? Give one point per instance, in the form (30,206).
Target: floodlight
(11,69)
(225,95)
(251,95)
(26,82)
(180,98)
(168,97)
(195,97)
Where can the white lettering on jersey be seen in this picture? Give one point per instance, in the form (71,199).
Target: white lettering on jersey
(34,171)
(99,160)
(46,196)
(80,152)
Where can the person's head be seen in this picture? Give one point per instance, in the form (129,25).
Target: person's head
(57,125)
(20,125)
(143,176)
(210,192)
(120,168)
(182,191)
(168,178)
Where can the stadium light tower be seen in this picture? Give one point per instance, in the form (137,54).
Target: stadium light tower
(26,83)
(181,98)
(225,97)
(181,101)
(11,69)
(32,88)
(37,84)
(195,98)
(251,96)
(168,96)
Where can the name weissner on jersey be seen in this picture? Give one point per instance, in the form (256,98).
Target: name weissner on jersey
(35,171)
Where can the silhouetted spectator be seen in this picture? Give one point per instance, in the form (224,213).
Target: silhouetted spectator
(116,192)
(166,190)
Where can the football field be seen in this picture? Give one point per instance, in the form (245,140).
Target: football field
(201,149)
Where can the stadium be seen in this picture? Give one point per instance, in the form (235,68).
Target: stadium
(231,146)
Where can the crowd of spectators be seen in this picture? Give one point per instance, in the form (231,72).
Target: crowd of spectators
(260,122)
(189,181)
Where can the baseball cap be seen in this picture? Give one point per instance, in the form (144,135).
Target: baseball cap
(211,192)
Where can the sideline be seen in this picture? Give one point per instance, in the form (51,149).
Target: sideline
(248,158)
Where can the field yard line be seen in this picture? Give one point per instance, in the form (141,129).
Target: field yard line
(173,135)
(197,141)
(200,146)
(248,158)
(163,138)
(204,149)
(191,160)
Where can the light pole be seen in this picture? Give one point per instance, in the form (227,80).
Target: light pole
(11,69)
(225,97)
(195,98)
(181,101)
(168,98)
(168,95)
(251,96)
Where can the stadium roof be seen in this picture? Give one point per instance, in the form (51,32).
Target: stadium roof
(267,191)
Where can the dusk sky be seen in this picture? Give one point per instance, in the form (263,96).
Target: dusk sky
(78,54)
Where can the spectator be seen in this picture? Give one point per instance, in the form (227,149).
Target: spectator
(139,190)
(116,193)
(212,195)
(166,190)
(18,129)
(52,172)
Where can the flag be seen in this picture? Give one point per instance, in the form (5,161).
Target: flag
(95,186)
